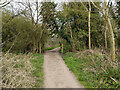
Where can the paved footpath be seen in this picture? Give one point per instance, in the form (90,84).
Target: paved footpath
(57,74)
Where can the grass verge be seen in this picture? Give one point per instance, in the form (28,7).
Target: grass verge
(93,69)
(37,62)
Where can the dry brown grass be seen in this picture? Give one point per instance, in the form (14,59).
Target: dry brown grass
(16,71)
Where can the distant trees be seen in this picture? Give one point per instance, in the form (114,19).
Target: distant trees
(79,25)
(48,13)
(32,11)
(76,16)
(32,23)
(48,18)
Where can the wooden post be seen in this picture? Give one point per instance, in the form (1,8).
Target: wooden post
(62,49)
(40,48)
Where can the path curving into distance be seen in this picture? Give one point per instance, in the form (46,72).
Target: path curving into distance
(56,73)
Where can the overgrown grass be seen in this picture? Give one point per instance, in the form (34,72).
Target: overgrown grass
(16,71)
(93,69)
(22,70)
(37,62)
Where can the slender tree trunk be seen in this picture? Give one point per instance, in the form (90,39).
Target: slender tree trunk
(89,12)
(89,15)
(112,41)
(106,37)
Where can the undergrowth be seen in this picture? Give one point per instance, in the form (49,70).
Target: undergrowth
(93,69)
(21,71)
(16,71)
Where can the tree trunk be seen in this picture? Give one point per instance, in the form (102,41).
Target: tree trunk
(89,12)
(112,42)
(72,42)
(111,34)
(106,37)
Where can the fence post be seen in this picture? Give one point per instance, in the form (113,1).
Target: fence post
(62,49)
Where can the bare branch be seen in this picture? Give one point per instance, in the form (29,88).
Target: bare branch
(97,7)
(5,4)
(84,5)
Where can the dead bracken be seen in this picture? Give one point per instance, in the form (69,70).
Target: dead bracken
(16,71)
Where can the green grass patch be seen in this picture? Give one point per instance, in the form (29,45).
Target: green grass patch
(37,62)
(50,48)
(87,67)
